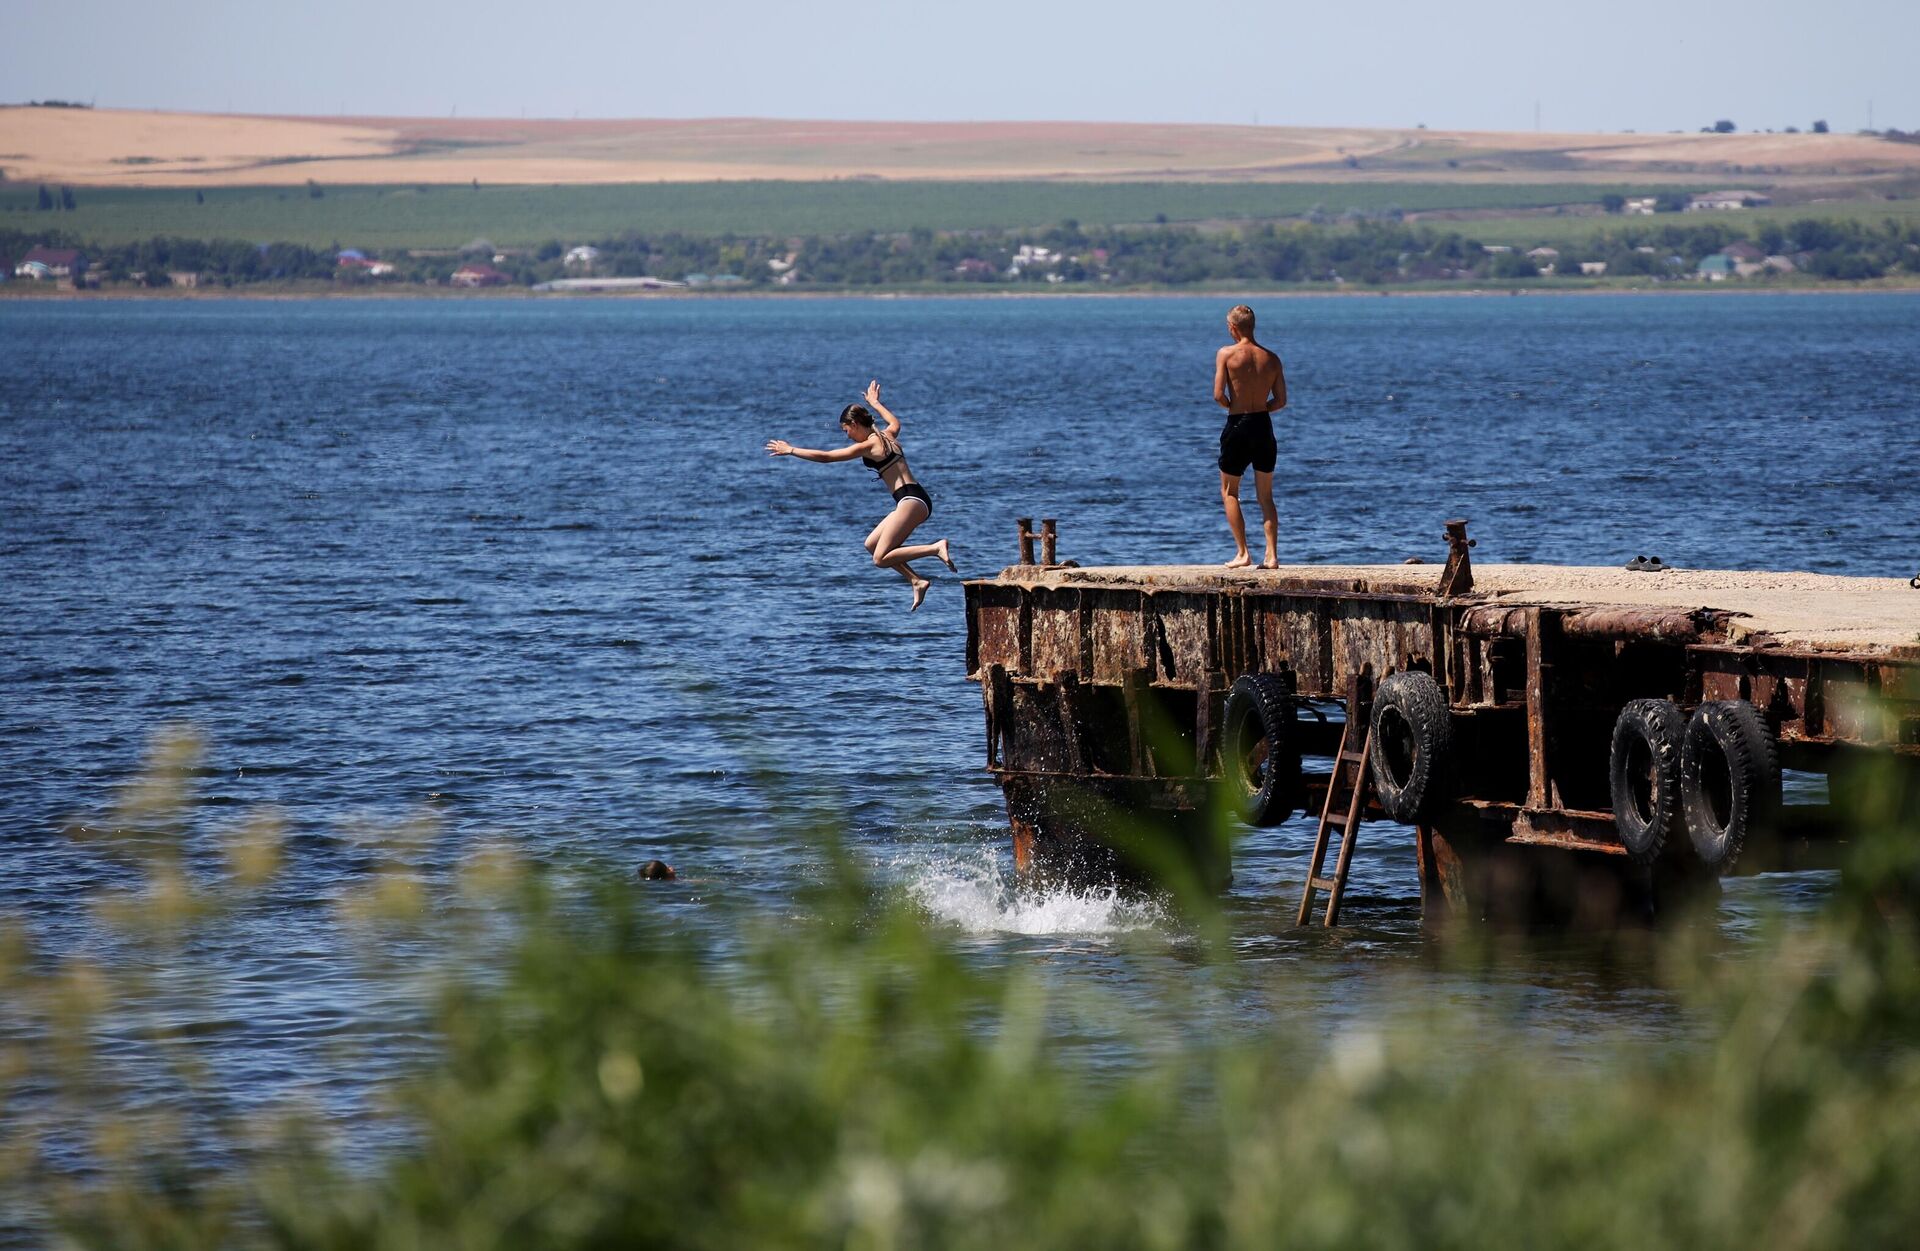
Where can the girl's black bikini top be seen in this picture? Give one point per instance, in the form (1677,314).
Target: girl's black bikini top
(893,454)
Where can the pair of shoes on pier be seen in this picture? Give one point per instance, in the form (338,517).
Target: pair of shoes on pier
(1645,564)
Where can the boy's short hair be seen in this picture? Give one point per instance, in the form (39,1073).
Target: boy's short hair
(1241,318)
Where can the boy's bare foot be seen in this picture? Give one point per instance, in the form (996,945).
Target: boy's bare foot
(945,558)
(1271,562)
(919,593)
(1242,561)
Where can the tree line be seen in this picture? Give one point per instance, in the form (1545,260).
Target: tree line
(1367,253)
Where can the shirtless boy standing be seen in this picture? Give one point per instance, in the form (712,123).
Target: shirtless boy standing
(1249,384)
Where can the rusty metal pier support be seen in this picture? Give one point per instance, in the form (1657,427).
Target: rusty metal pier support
(1105,691)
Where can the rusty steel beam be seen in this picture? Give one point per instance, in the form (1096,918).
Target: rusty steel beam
(1667,625)
(1567,829)
(1663,625)
(1537,671)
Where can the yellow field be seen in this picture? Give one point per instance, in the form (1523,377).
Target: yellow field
(104,147)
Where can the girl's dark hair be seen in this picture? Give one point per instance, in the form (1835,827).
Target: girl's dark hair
(857,414)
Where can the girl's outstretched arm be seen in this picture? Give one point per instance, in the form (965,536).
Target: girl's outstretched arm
(780,447)
(886,414)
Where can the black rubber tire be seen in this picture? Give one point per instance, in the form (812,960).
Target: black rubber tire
(1644,769)
(1412,739)
(1260,749)
(1729,780)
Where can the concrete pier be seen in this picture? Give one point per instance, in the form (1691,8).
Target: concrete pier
(1553,732)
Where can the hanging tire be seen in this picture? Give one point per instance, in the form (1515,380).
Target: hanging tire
(1412,738)
(1729,780)
(1644,769)
(1260,749)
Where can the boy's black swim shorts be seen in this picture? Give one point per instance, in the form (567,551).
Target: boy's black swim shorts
(1247,439)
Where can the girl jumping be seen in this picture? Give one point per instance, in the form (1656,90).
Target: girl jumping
(879,450)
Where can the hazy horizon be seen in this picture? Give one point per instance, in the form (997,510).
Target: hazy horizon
(1497,65)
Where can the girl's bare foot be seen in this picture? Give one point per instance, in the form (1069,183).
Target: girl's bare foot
(1271,562)
(946,559)
(1241,561)
(920,586)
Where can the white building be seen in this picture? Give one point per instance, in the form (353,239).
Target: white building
(609,284)
(581,257)
(1032,255)
(1727,201)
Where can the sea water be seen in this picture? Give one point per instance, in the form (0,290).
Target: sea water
(523,566)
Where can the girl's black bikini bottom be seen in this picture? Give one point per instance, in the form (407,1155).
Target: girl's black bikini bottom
(913,491)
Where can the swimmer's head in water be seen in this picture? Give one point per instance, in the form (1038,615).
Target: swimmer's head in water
(657,871)
(1240,317)
(856,421)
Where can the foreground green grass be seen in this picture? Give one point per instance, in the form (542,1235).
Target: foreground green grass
(599,1078)
(448,217)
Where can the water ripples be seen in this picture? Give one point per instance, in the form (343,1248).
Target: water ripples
(524,569)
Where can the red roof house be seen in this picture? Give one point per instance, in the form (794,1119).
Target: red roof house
(478,275)
(44,262)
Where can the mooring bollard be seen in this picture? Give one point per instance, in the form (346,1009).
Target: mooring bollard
(1049,536)
(1457,577)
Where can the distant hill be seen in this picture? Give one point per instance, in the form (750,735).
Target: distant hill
(111,147)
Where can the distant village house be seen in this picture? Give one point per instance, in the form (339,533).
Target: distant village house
(478,275)
(1032,255)
(784,269)
(52,264)
(355,261)
(608,284)
(1727,201)
(581,257)
(1715,268)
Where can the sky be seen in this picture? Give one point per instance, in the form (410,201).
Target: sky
(1648,65)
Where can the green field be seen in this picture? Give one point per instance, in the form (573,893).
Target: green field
(1546,229)
(442,216)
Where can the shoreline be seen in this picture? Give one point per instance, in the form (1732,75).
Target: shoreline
(22,292)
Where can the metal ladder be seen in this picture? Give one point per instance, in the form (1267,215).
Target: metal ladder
(1349,784)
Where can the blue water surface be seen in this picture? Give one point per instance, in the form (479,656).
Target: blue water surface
(523,566)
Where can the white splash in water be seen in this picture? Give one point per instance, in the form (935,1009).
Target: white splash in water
(978,898)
